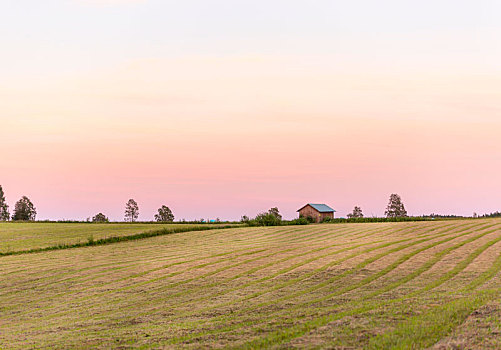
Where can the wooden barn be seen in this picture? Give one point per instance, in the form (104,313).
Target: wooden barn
(317,211)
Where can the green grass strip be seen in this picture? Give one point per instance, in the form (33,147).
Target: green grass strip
(426,329)
(117,239)
(301,329)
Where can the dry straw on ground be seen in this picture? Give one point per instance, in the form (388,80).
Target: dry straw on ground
(384,285)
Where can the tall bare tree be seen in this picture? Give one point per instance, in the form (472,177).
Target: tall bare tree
(395,208)
(4,208)
(131,210)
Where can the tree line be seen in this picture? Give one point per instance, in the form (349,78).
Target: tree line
(394,210)
(24,210)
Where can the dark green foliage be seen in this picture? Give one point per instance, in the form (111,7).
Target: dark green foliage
(327,219)
(374,219)
(24,210)
(299,221)
(164,214)
(4,208)
(442,216)
(395,208)
(310,219)
(270,218)
(275,212)
(492,215)
(100,218)
(357,213)
(131,210)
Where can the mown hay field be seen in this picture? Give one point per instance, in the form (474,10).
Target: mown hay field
(348,286)
(16,237)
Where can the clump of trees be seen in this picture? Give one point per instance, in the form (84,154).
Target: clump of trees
(131,210)
(24,210)
(357,213)
(100,218)
(164,214)
(270,218)
(4,208)
(395,208)
(492,215)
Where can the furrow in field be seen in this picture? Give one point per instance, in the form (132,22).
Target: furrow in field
(115,266)
(285,335)
(288,269)
(201,266)
(180,308)
(363,282)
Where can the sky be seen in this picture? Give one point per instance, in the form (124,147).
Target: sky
(226,108)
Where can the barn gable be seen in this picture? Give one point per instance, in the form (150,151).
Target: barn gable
(318,212)
(321,208)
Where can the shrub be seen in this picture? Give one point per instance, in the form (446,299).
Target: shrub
(310,219)
(299,221)
(270,218)
(267,219)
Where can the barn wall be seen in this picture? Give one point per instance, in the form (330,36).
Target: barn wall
(309,211)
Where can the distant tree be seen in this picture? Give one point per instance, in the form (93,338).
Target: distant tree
(270,218)
(357,213)
(275,212)
(244,219)
(4,208)
(395,208)
(24,210)
(100,218)
(131,210)
(164,214)
(492,215)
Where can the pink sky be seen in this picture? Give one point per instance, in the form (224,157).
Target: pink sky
(249,134)
(239,127)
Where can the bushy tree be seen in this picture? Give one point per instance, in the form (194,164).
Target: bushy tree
(395,208)
(100,218)
(270,218)
(357,213)
(131,210)
(164,214)
(275,212)
(4,208)
(24,210)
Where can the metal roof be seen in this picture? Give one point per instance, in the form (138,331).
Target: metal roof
(322,208)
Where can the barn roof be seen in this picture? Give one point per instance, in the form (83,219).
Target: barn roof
(322,208)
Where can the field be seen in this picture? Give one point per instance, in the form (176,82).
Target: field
(348,286)
(24,236)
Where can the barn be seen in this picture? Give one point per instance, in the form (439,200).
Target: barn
(316,211)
